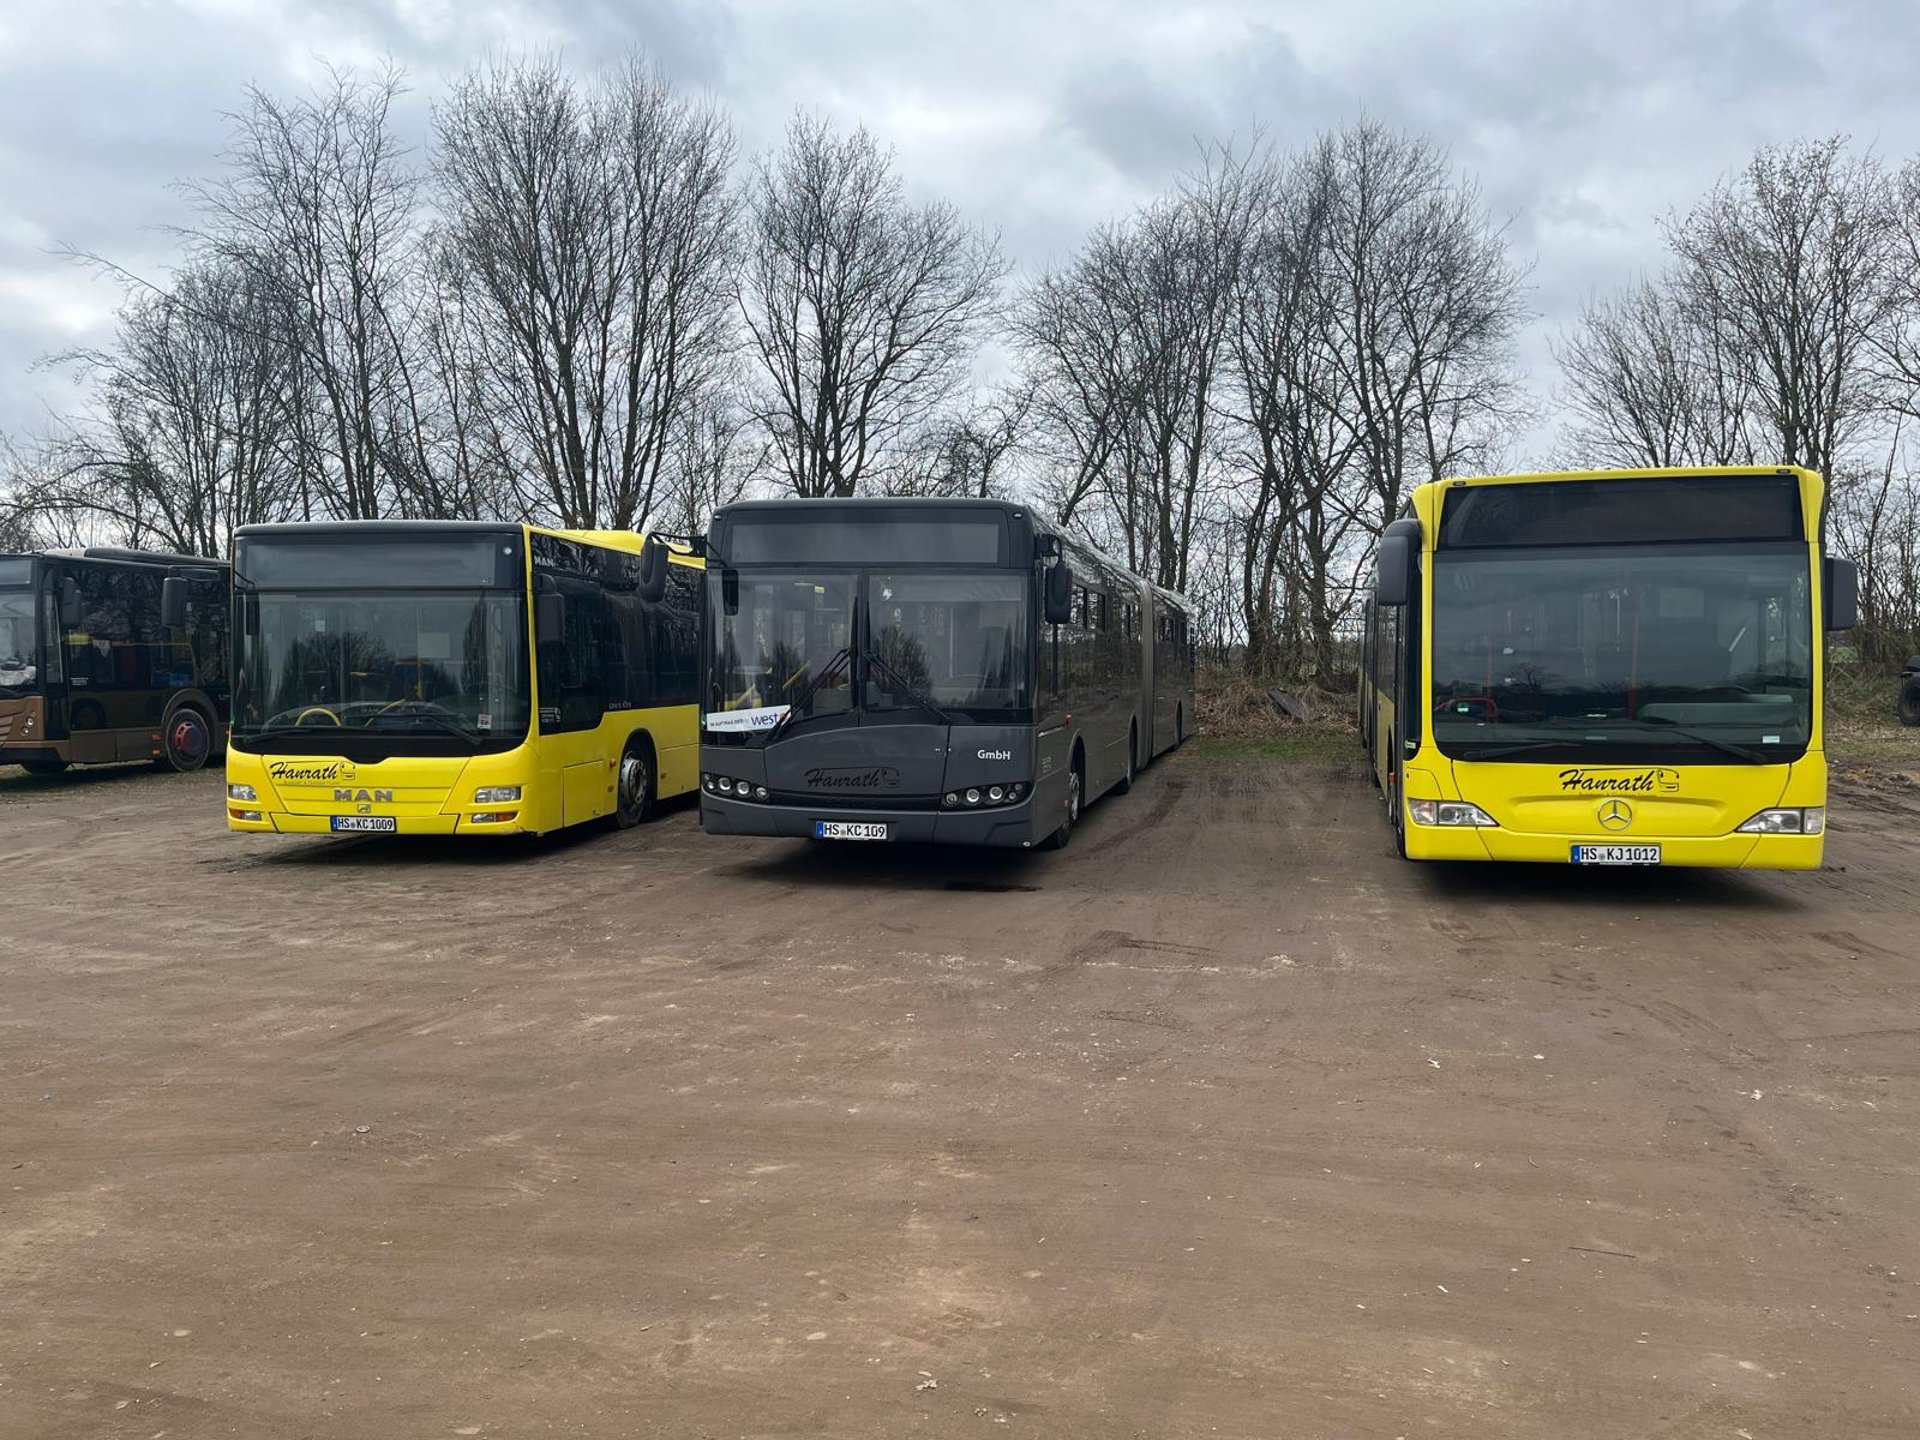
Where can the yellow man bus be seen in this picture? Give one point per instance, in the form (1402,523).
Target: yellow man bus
(1605,668)
(443,677)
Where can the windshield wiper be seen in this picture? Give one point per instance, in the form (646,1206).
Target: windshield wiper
(835,663)
(445,722)
(1519,747)
(906,687)
(1752,757)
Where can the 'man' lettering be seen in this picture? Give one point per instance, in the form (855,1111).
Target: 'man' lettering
(369,797)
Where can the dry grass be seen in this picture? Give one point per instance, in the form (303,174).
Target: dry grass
(1235,707)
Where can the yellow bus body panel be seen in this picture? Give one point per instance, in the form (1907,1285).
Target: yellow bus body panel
(1693,812)
(565,779)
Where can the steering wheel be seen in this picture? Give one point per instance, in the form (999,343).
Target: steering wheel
(301,718)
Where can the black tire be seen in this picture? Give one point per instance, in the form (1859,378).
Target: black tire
(635,786)
(1179,726)
(1133,748)
(1076,796)
(45,768)
(186,741)
(1910,701)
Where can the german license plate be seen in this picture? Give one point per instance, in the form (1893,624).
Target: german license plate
(848,830)
(1616,854)
(376,824)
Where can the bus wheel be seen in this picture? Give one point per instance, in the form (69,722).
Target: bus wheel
(1399,819)
(1133,748)
(49,766)
(634,802)
(186,742)
(1179,726)
(1076,793)
(1910,701)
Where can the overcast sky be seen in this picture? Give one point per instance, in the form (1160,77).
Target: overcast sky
(1583,122)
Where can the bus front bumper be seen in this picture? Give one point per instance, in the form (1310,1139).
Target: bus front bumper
(279,822)
(1009,826)
(1727,852)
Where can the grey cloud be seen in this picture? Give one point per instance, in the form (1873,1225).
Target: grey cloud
(1582,122)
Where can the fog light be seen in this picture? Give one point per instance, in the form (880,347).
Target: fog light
(950,799)
(1015,791)
(241,792)
(1792,820)
(492,817)
(1448,812)
(496,794)
(759,792)
(245,814)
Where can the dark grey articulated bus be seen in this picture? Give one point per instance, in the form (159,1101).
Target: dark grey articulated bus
(928,670)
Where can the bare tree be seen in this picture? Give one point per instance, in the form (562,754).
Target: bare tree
(593,231)
(1123,349)
(1296,508)
(1787,264)
(1647,385)
(192,426)
(862,310)
(715,457)
(319,207)
(965,454)
(1424,305)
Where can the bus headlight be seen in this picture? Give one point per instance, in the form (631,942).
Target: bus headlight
(241,792)
(1448,812)
(496,794)
(1796,820)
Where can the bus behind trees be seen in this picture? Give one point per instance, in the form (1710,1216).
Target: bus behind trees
(109,655)
(931,670)
(447,677)
(1606,668)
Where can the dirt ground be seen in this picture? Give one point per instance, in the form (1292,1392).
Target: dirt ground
(1221,1124)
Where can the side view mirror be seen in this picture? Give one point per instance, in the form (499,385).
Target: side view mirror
(1059,593)
(1393,564)
(1840,593)
(730,591)
(549,618)
(653,570)
(174,601)
(70,603)
(1047,547)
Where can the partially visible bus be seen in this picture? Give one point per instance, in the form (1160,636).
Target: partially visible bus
(931,670)
(1606,668)
(447,677)
(93,670)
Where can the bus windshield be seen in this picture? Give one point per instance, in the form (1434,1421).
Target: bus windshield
(1692,648)
(957,640)
(953,642)
(17,668)
(387,663)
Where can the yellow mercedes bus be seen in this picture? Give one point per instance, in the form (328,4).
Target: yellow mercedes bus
(448,677)
(1605,668)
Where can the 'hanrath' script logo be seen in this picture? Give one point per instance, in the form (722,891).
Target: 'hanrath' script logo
(334,770)
(1583,780)
(849,777)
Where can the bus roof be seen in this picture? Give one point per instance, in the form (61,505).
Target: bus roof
(1662,472)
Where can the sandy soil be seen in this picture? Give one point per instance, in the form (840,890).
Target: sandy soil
(1221,1124)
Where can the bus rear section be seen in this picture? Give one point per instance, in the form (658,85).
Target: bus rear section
(441,678)
(1613,669)
(937,671)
